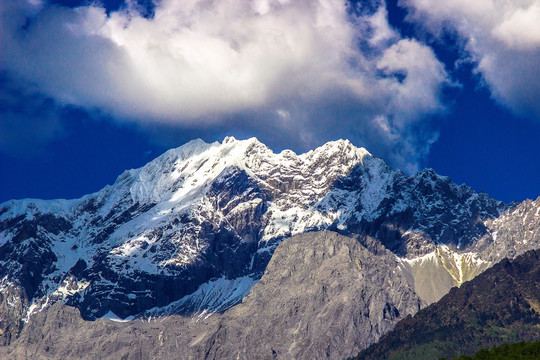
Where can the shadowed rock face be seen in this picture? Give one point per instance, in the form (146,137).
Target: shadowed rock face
(322,296)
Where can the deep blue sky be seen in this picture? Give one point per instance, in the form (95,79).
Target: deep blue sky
(481,140)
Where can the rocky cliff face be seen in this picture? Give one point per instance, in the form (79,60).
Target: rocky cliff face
(319,292)
(322,296)
(194,229)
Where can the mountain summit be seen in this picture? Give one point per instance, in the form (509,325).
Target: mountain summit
(194,229)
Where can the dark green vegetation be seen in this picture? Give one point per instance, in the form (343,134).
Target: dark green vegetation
(517,351)
(501,305)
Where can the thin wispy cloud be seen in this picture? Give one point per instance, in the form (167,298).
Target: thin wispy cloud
(304,67)
(502,39)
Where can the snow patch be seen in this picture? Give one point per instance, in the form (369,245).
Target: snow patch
(432,256)
(113,317)
(213,296)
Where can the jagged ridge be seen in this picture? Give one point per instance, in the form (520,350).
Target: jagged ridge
(204,212)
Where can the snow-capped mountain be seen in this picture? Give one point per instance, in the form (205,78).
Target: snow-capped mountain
(195,228)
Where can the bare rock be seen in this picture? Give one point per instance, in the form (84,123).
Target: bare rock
(322,296)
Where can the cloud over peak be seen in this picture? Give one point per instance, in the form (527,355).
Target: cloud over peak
(299,65)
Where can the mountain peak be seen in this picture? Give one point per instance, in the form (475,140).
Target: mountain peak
(202,162)
(228,139)
(233,140)
(342,144)
(339,152)
(206,211)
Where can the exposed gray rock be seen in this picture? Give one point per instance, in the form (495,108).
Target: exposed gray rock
(514,232)
(322,296)
(12,312)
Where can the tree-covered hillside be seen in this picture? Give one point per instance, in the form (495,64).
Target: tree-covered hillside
(517,351)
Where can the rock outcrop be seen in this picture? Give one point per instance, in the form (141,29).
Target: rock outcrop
(322,296)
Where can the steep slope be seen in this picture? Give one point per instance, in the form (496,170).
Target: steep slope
(500,305)
(194,229)
(319,292)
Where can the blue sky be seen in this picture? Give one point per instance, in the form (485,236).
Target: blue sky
(89,89)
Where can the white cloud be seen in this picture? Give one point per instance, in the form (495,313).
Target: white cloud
(501,37)
(423,74)
(382,32)
(520,29)
(200,62)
